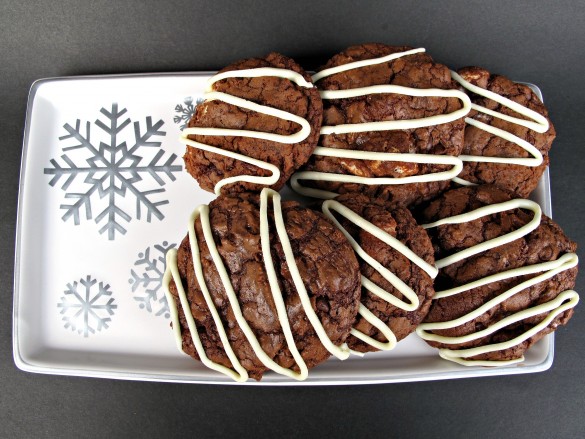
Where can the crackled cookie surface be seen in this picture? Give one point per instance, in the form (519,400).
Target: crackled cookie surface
(270,95)
(388,100)
(518,153)
(316,285)
(397,267)
(505,280)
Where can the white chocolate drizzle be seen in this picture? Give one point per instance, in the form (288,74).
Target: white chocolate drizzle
(364,63)
(172,273)
(396,282)
(537,123)
(382,126)
(402,124)
(564,301)
(377,156)
(258,72)
(211,95)
(495,242)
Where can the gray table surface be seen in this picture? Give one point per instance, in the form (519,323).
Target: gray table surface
(538,42)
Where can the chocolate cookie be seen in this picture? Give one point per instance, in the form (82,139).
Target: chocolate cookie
(505,279)
(508,133)
(259,123)
(266,286)
(392,126)
(397,266)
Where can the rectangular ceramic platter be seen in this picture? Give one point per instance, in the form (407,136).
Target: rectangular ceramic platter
(67,328)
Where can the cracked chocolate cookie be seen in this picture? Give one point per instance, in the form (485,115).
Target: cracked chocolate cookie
(506,274)
(397,266)
(259,285)
(508,133)
(259,123)
(392,126)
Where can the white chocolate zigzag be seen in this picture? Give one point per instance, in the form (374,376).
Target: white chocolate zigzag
(172,273)
(538,123)
(564,301)
(243,103)
(379,156)
(382,126)
(495,242)
(396,282)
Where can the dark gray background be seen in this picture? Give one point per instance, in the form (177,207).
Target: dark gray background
(539,42)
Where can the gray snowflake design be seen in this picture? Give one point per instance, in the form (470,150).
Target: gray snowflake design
(87,306)
(185,111)
(147,282)
(112,170)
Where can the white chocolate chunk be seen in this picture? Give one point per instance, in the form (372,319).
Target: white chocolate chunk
(381,126)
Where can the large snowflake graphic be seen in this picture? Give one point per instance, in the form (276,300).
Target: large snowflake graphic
(113,170)
(86,308)
(185,111)
(147,282)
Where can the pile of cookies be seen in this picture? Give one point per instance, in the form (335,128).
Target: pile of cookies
(417,219)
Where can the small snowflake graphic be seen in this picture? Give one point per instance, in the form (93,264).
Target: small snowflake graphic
(147,283)
(86,307)
(185,112)
(112,170)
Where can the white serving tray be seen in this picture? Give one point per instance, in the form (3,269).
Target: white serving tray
(116,327)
